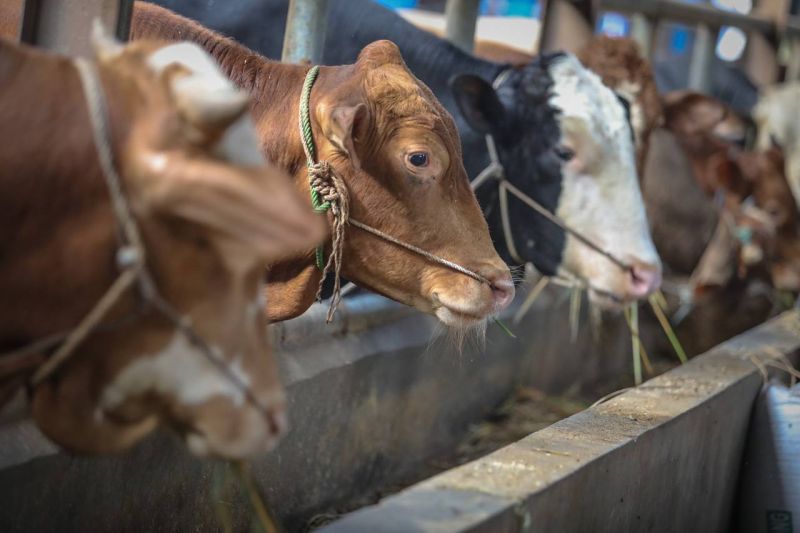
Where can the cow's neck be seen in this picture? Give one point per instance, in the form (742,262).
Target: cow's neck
(57,239)
(276,87)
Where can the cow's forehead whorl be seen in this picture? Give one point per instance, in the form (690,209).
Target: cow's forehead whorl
(580,94)
(398,95)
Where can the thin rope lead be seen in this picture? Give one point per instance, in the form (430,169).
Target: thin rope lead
(329,192)
(410,247)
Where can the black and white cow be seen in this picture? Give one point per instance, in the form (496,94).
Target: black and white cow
(562,137)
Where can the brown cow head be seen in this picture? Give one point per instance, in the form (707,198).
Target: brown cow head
(767,212)
(212,216)
(758,202)
(399,153)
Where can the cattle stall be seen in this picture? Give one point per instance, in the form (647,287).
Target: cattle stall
(383,401)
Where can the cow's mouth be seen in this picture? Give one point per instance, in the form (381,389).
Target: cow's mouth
(607,300)
(457,318)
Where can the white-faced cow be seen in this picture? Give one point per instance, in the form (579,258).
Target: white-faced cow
(184,344)
(562,137)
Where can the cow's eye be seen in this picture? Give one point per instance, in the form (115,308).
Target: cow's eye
(564,153)
(418,159)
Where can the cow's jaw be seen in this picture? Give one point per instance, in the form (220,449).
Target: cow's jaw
(210,405)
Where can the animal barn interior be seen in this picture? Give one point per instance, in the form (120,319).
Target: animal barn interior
(400,265)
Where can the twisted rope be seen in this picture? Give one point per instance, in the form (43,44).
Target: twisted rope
(329,192)
(328,186)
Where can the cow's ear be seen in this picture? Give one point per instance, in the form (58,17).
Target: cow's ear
(206,107)
(251,212)
(343,126)
(478,102)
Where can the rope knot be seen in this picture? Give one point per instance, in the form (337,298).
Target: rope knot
(331,193)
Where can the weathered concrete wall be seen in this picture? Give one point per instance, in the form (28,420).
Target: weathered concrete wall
(370,399)
(662,457)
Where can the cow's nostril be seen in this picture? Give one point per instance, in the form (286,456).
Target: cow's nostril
(644,280)
(502,291)
(278,422)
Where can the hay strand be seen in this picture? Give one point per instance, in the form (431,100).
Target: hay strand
(632,317)
(658,310)
(505,328)
(574,312)
(530,299)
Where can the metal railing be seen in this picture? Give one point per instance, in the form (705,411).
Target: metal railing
(765,36)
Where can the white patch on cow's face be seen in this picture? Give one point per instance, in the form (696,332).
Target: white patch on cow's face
(209,86)
(600,188)
(178,371)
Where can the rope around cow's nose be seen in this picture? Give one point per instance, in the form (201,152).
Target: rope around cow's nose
(328,191)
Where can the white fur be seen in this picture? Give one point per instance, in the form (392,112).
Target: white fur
(239,144)
(206,75)
(777,116)
(207,84)
(600,190)
(178,370)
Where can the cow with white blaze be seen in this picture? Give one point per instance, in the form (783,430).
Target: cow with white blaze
(137,218)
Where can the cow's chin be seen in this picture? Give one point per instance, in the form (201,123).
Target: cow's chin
(607,301)
(250,437)
(459,312)
(456,319)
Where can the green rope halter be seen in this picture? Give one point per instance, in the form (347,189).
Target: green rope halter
(311,151)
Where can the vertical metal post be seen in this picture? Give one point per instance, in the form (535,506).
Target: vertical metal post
(702,57)
(761,56)
(566,25)
(64,25)
(643,32)
(461,17)
(793,64)
(761,60)
(305,31)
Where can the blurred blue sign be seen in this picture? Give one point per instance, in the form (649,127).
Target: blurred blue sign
(502,8)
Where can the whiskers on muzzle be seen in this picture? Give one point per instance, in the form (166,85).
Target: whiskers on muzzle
(459,337)
(517,274)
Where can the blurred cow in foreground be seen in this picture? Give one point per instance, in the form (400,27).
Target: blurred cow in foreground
(185,344)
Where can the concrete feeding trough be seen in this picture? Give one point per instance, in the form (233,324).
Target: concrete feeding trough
(649,459)
(371,399)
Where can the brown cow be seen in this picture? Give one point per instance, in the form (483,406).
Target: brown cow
(621,66)
(186,153)
(722,216)
(399,153)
